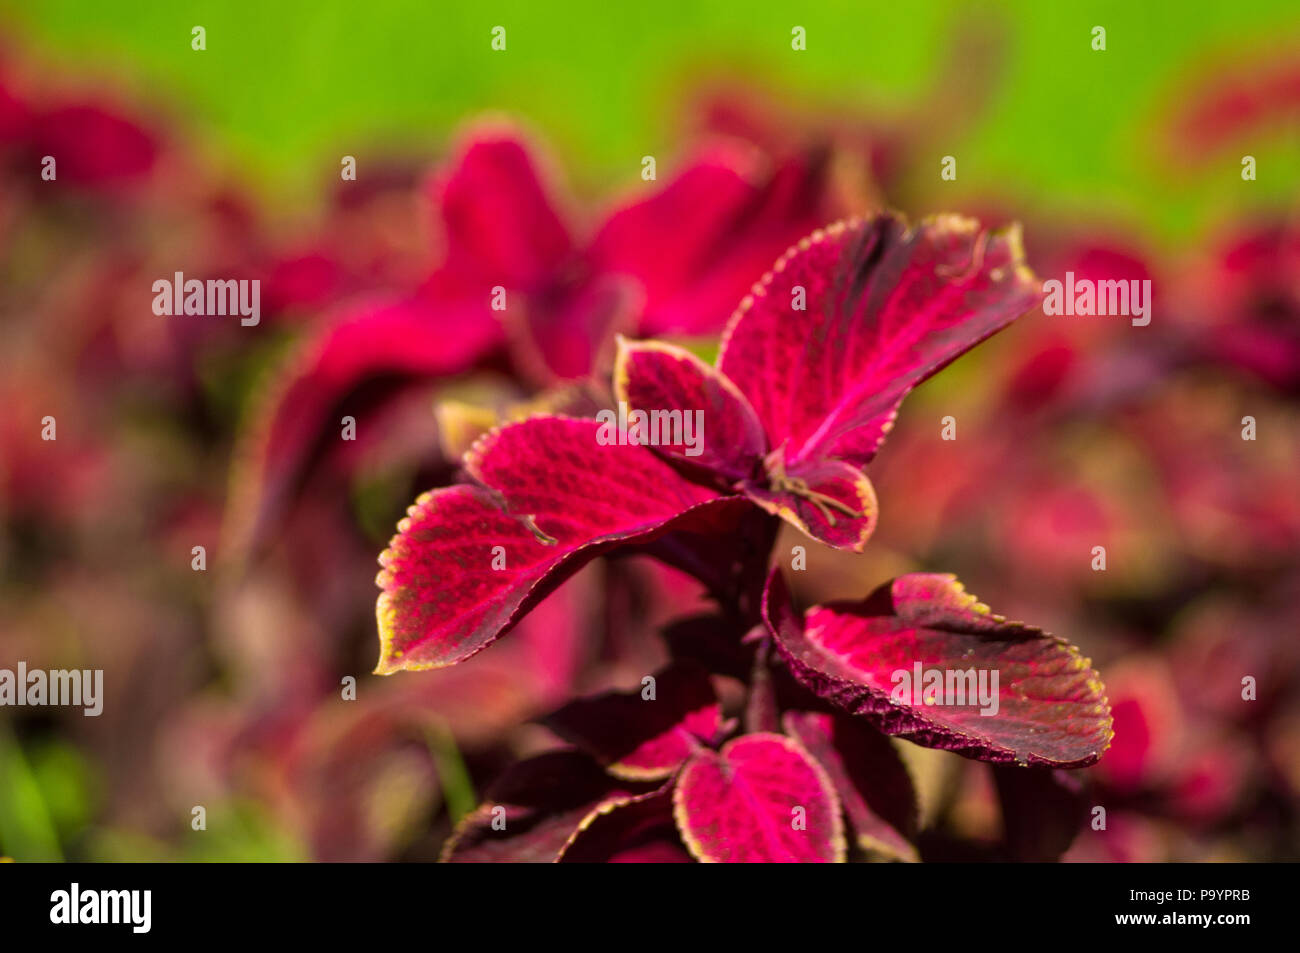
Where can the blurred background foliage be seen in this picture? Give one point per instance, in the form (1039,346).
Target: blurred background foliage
(284,88)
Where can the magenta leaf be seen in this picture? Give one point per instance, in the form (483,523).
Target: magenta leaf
(1005,692)
(676,260)
(468,561)
(643,735)
(695,246)
(501,225)
(869,777)
(660,380)
(100,146)
(537,809)
(760,799)
(665,240)
(884,306)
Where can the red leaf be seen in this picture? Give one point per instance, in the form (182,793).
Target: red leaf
(695,245)
(869,777)
(468,561)
(664,239)
(886,307)
(96,146)
(641,738)
(713,641)
(501,225)
(1047,707)
(1235,103)
(762,798)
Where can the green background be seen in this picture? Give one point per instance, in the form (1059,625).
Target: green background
(285,88)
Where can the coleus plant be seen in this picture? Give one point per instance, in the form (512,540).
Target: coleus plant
(807,383)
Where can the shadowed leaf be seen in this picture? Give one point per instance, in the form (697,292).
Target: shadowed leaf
(533,812)
(631,830)
(1043,811)
(643,739)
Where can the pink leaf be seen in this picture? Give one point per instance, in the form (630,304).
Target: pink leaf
(501,226)
(664,239)
(695,245)
(885,307)
(1047,707)
(760,799)
(97,147)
